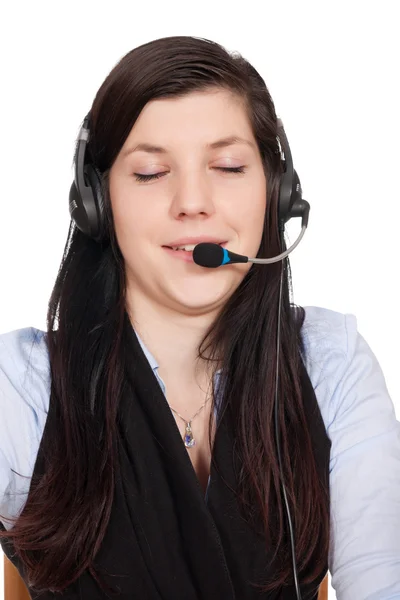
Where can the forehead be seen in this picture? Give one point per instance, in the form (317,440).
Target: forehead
(210,119)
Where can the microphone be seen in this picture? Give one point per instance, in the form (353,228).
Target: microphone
(212,255)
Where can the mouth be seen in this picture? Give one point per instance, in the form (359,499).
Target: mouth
(185,252)
(188,248)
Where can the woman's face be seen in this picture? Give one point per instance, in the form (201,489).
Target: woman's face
(191,200)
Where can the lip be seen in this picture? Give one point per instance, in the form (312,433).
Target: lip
(195,240)
(187,255)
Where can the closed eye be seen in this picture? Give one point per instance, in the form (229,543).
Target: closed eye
(140,177)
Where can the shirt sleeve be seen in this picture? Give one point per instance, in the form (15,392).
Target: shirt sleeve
(364,557)
(23,390)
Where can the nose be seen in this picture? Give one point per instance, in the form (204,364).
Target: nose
(192,197)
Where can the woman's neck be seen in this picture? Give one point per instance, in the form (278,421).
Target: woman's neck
(172,338)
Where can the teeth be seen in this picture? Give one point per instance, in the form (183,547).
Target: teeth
(188,247)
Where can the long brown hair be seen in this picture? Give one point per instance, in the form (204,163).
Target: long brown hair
(67,511)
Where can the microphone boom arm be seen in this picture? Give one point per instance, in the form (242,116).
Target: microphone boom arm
(266,261)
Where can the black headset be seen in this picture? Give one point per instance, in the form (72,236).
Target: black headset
(86,207)
(86,200)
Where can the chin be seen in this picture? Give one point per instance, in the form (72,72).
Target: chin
(202,297)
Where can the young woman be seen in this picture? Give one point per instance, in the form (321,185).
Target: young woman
(181,431)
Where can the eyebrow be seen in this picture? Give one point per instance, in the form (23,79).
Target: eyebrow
(222,143)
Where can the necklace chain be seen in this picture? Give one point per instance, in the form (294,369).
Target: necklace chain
(188,436)
(183,419)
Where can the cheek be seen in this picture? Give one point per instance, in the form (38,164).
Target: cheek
(132,219)
(249,218)
(126,212)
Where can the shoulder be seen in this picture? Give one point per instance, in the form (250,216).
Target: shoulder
(344,371)
(329,338)
(24,397)
(328,331)
(24,366)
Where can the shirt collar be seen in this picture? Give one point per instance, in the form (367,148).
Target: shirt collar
(152,360)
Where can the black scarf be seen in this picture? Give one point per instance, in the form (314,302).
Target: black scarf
(164,541)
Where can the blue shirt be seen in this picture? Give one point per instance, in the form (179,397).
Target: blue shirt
(360,420)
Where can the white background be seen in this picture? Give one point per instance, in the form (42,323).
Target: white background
(333,71)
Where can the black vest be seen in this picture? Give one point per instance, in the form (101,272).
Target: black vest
(164,541)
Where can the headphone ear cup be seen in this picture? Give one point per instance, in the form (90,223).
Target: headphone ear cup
(77,210)
(94,180)
(285,193)
(290,197)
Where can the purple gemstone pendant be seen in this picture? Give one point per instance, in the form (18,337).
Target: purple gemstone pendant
(188,437)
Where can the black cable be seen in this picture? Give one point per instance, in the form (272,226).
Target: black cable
(296,583)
